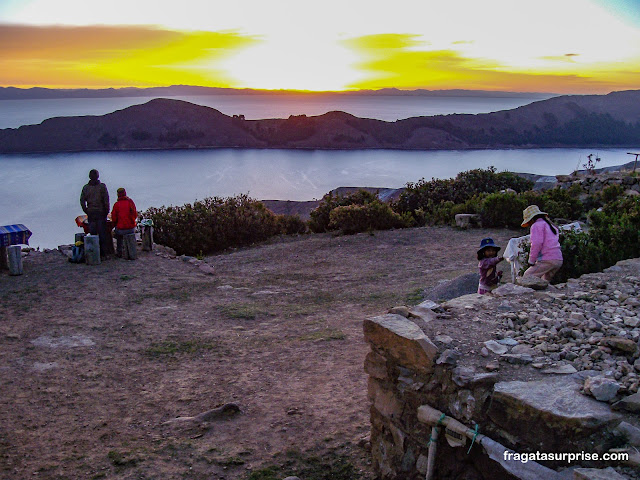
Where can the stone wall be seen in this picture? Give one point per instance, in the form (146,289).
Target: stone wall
(593,184)
(518,396)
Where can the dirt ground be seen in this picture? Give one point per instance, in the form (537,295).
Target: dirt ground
(94,360)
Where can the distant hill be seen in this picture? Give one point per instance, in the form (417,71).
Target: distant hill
(13,93)
(566,121)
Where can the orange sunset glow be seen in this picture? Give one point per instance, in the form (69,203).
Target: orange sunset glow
(574,46)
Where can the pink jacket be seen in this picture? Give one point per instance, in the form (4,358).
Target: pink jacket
(544,242)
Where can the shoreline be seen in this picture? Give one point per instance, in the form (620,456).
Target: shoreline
(327,149)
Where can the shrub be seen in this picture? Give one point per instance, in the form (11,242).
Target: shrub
(475,181)
(441,214)
(213,224)
(503,210)
(611,193)
(291,224)
(617,228)
(320,217)
(360,218)
(580,255)
(437,196)
(561,203)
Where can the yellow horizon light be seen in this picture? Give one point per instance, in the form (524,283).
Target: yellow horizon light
(574,46)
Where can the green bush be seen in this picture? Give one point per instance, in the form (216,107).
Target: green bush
(441,214)
(580,254)
(375,215)
(446,211)
(291,224)
(611,193)
(561,203)
(213,224)
(438,197)
(503,210)
(320,217)
(475,181)
(617,229)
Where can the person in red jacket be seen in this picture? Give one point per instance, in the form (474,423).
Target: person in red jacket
(123,216)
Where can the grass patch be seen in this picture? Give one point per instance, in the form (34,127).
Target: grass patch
(415,296)
(316,298)
(171,348)
(241,311)
(21,300)
(125,278)
(295,309)
(181,293)
(326,335)
(229,462)
(121,460)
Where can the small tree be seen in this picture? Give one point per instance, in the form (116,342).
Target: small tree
(590,166)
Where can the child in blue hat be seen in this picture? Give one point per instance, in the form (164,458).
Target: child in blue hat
(488,259)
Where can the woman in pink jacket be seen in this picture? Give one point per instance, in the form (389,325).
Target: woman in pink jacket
(545,256)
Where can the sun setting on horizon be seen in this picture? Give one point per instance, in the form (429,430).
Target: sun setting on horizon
(572,46)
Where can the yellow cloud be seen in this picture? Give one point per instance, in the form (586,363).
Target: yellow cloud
(383,42)
(114,56)
(401,61)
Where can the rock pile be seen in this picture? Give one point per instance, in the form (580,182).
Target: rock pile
(590,324)
(554,370)
(593,184)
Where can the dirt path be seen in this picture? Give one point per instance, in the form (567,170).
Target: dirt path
(95,360)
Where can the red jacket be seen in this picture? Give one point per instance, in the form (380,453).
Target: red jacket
(124,214)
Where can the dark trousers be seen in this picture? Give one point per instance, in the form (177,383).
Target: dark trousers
(120,239)
(98,226)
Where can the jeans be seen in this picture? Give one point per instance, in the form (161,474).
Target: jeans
(98,226)
(120,239)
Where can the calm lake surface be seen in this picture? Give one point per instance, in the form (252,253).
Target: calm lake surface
(42,191)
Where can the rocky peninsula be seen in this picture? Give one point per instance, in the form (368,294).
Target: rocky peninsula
(611,120)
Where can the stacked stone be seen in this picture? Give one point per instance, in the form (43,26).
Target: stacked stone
(588,324)
(593,184)
(406,371)
(558,358)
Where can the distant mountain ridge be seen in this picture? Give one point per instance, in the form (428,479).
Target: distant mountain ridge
(14,93)
(565,121)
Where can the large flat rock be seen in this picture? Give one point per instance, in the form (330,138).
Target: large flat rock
(461,285)
(548,412)
(471,301)
(402,340)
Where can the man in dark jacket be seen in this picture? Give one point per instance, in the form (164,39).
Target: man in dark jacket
(94,201)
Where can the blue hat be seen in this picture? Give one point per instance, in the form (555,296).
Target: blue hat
(486,243)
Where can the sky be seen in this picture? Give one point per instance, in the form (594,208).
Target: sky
(555,46)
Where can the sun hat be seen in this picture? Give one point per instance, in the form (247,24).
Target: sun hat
(122,192)
(486,243)
(529,213)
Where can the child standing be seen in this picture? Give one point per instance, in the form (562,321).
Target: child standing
(488,259)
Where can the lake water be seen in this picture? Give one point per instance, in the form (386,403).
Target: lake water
(42,191)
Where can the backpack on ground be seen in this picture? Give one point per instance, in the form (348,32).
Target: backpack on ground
(77,253)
